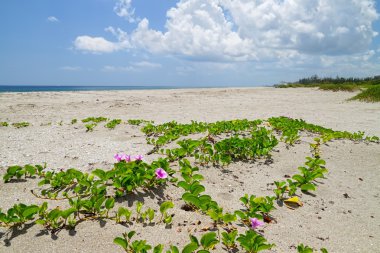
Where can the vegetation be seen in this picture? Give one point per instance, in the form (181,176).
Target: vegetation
(3,123)
(113,123)
(137,122)
(371,94)
(20,124)
(93,195)
(369,86)
(93,119)
(315,81)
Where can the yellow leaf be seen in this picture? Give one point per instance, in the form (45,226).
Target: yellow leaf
(293,203)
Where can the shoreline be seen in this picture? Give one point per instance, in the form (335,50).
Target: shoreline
(73,88)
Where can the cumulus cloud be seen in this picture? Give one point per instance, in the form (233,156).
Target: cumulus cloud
(123,8)
(52,19)
(100,44)
(246,30)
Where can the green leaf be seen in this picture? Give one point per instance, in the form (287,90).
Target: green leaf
(30,211)
(99,203)
(308,187)
(7,177)
(158,249)
(165,206)
(174,249)
(298,178)
(194,239)
(121,242)
(54,214)
(66,213)
(197,189)
(241,214)
(110,202)
(264,247)
(229,218)
(99,173)
(131,234)
(184,185)
(13,169)
(323,250)
(209,240)
(198,177)
(44,181)
(191,199)
(190,248)
(30,169)
(40,222)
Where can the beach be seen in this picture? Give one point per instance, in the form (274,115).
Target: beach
(342,216)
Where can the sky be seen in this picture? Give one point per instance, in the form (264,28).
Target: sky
(186,42)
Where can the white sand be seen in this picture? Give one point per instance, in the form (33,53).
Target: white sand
(327,220)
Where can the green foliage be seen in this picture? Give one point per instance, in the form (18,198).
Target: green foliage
(4,124)
(137,246)
(283,124)
(209,240)
(314,169)
(113,123)
(18,214)
(74,121)
(252,242)
(315,81)
(171,131)
(21,124)
(93,195)
(280,189)
(26,171)
(339,87)
(256,207)
(123,212)
(372,94)
(371,86)
(90,127)
(94,119)
(227,150)
(229,239)
(164,207)
(306,249)
(137,122)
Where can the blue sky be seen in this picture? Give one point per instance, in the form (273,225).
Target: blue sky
(187,42)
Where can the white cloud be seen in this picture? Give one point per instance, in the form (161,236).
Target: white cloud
(123,8)
(70,68)
(102,45)
(52,19)
(109,68)
(95,44)
(248,30)
(134,66)
(196,30)
(146,64)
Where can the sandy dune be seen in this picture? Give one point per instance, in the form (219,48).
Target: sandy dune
(329,219)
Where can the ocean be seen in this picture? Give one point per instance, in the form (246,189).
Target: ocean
(29,88)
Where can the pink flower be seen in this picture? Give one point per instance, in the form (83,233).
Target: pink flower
(126,158)
(139,157)
(256,223)
(118,157)
(161,173)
